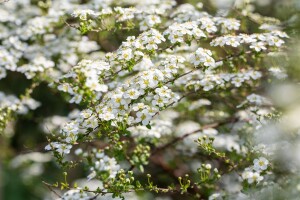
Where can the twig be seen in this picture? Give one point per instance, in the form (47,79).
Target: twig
(71,25)
(177,139)
(50,188)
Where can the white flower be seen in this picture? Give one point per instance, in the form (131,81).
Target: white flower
(106,116)
(63,148)
(124,14)
(75,195)
(237,81)
(247,39)
(206,83)
(42,61)
(146,82)
(254,177)
(278,73)
(151,38)
(229,40)
(138,106)
(260,164)
(78,151)
(83,14)
(231,24)
(258,46)
(163,91)
(202,56)
(216,196)
(208,166)
(70,127)
(209,61)
(94,85)
(125,54)
(91,122)
(104,163)
(65,87)
(143,116)
(158,100)
(256,99)
(199,5)
(117,100)
(132,94)
(208,24)
(176,32)
(149,22)
(77,98)
(210,131)
(152,20)
(86,113)
(274,41)
(254,74)
(92,175)
(233,41)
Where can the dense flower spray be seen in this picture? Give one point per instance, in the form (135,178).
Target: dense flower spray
(176,88)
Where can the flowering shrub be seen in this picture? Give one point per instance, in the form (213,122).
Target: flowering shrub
(170,99)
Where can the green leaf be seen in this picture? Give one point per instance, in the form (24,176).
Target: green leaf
(148,126)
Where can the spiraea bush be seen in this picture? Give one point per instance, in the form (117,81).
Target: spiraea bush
(166,100)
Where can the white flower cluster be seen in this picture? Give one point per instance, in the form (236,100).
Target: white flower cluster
(149,22)
(209,81)
(38,65)
(258,42)
(208,24)
(75,194)
(253,173)
(256,99)
(134,49)
(170,65)
(101,163)
(148,14)
(179,33)
(159,128)
(204,57)
(186,12)
(7,62)
(88,72)
(84,14)
(278,73)
(70,131)
(21,106)
(38,26)
(127,89)
(53,123)
(121,14)
(61,148)
(123,99)
(199,103)
(30,41)
(163,96)
(228,23)
(124,14)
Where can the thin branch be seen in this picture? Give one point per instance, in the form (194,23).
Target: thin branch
(71,25)
(177,139)
(50,187)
